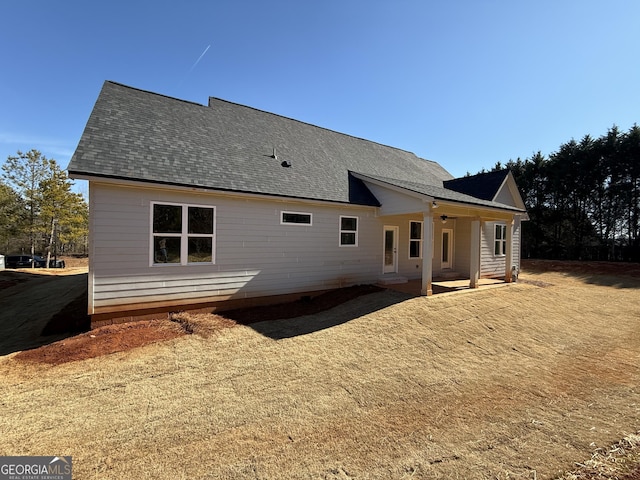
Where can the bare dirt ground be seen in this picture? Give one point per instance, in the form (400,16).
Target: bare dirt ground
(535,380)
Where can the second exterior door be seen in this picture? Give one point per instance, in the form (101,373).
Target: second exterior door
(390,249)
(447,248)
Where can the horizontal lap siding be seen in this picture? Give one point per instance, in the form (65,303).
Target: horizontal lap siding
(490,265)
(517,230)
(255,254)
(462,249)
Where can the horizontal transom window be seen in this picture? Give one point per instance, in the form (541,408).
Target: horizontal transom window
(296,218)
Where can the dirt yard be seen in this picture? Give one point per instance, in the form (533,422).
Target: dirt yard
(537,380)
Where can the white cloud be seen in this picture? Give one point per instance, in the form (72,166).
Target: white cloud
(60,150)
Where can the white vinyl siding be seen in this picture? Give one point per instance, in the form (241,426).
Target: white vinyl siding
(517,227)
(492,265)
(255,255)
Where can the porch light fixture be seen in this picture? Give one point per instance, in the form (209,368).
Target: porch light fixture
(444,219)
(434,204)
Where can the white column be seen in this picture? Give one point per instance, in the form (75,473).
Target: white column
(474,258)
(427,254)
(508,259)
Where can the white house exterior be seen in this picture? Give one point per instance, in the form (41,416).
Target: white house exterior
(197,206)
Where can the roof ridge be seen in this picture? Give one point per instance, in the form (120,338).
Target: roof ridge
(153,93)
(317,126)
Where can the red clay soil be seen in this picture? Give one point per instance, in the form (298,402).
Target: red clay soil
(125,336)
(102,341)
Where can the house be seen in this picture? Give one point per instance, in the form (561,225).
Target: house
(197,206)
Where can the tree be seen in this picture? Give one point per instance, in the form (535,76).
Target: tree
(583,200)
(52,209)
(26,171)
(61,209)
(13,213)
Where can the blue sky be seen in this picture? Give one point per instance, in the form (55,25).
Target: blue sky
(464,83)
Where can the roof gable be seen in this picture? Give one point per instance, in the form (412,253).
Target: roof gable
(482,185)
(498,186)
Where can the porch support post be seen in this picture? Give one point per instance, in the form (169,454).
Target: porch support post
(508,259)
(427,254)
(474,257)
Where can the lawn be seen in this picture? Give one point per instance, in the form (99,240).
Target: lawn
(524,381)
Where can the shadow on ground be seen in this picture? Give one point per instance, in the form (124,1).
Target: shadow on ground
(366,300)
(39,309)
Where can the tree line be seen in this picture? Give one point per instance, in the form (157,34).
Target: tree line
(584,199)
(39,213)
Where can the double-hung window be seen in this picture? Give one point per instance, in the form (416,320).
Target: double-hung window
(500,240)
(182,234)
(348,231)
(415,239)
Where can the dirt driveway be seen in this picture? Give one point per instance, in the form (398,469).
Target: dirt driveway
(528,381)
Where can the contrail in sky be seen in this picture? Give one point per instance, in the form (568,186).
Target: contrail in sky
(199,58)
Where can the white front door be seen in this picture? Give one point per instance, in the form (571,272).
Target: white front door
(390,249)
(447,248)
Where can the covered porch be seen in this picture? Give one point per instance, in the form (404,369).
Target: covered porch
(434,244)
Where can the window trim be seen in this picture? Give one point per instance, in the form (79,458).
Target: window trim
(500,241)
(183,236)
(283,212)
(341,231)
(419,240)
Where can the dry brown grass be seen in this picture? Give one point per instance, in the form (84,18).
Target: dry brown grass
(515,382)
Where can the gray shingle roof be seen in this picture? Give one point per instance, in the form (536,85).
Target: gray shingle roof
(482,185)
(138,135)
(441,193)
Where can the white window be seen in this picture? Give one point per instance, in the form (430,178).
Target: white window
(182,234)
(415,239)
(348,231)
(500,240)
(295,218)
